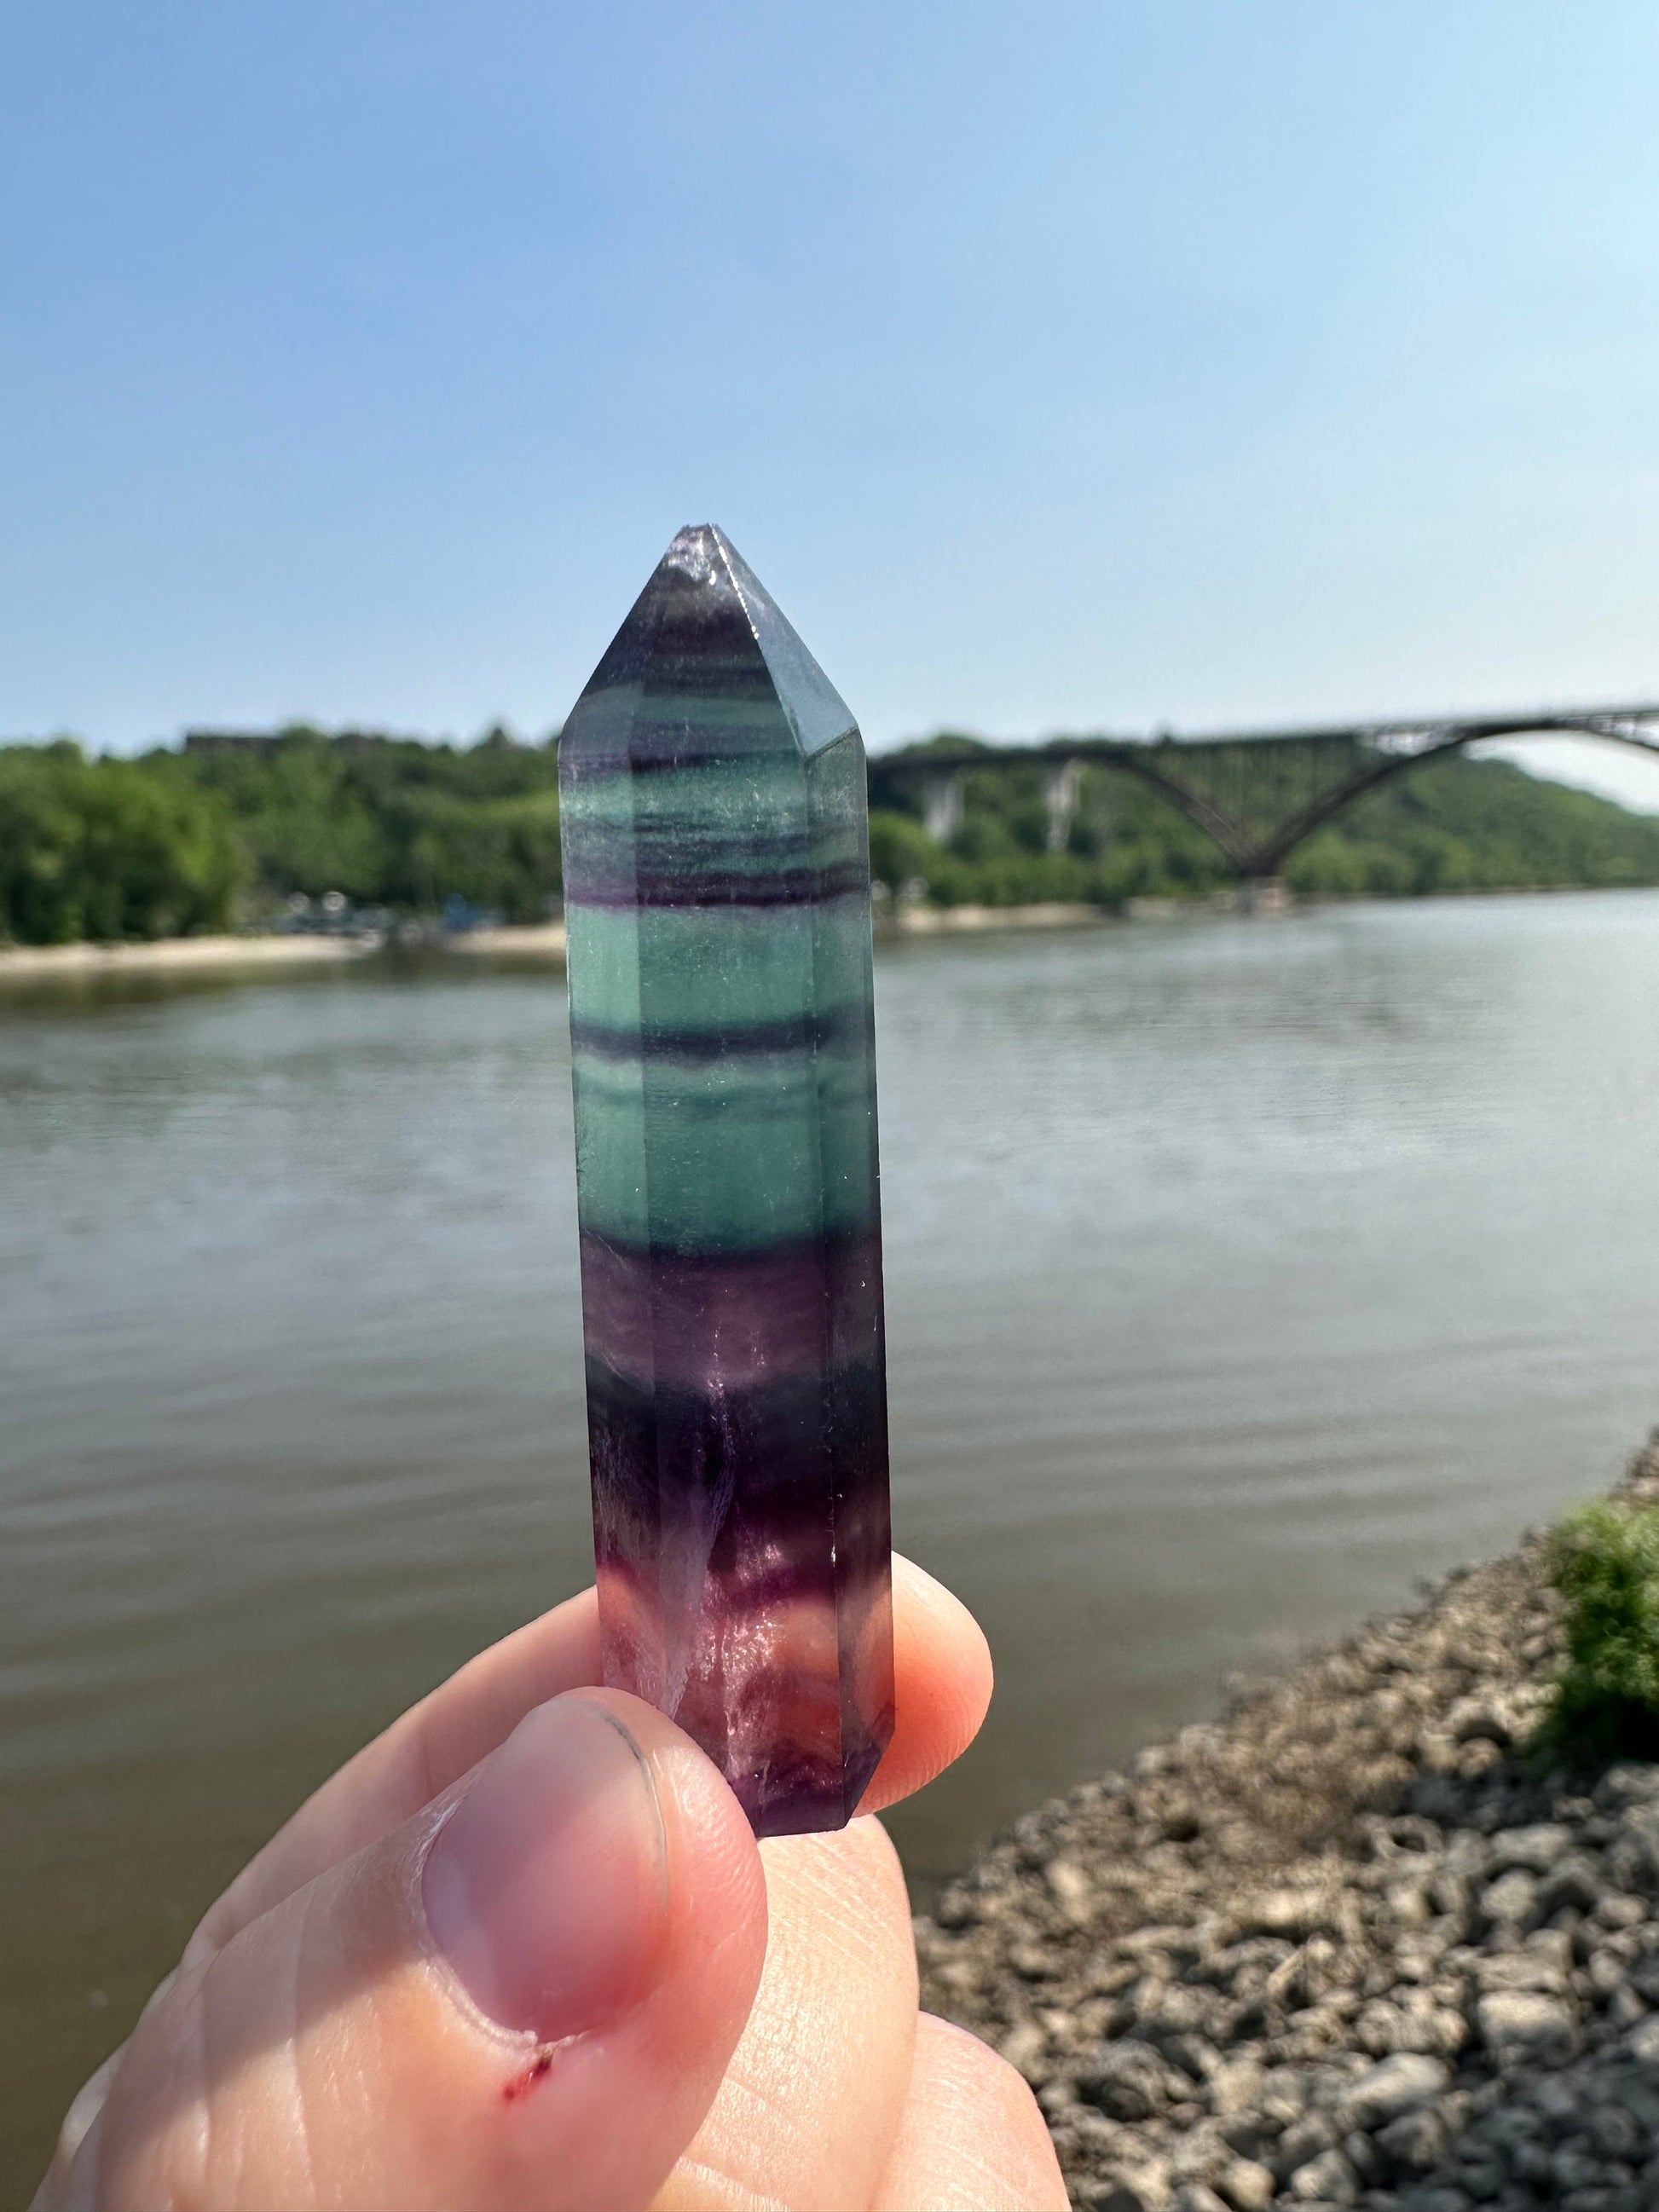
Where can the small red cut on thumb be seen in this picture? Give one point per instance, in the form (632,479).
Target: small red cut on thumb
(524,1997)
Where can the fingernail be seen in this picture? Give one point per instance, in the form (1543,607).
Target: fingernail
(545,1888)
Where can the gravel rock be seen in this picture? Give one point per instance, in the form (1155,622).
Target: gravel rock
(1399,2085)
(1349,1947)
(1416,2141)
(1510,1899)
(1245,2185)
(1537,1849)
(1519,2026)
(1327,2180)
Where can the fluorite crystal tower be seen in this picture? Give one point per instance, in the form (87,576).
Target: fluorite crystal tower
(717,897)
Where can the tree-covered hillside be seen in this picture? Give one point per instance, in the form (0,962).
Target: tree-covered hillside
(390,821)
(224,833)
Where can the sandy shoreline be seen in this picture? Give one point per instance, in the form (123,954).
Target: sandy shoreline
(541,941)
(945,920)
(181,954)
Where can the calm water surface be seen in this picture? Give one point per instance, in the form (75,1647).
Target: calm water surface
(1238,1273)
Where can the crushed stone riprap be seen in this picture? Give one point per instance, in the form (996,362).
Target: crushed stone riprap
(1349,1946)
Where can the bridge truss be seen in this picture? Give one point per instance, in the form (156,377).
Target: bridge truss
(1258,793)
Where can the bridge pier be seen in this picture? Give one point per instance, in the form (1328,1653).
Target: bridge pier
(1263,895)
(941,806)
(1060,790)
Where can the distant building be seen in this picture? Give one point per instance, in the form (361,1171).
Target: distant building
(231,741)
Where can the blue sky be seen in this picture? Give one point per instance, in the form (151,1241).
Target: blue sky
(1057,365)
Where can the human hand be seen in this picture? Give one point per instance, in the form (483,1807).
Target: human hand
(523,1954)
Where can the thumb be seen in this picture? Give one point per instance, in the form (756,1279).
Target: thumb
(526,1996)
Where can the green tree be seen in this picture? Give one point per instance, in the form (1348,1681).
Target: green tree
(390,821)
(108,850)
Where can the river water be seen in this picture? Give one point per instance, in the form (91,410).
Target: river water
(1238,1273)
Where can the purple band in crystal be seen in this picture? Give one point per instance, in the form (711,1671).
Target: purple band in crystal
(767,1475)
(712,887)
(765,1687)
(742,1540)
(842,1026)
(729,1322)
(660,749)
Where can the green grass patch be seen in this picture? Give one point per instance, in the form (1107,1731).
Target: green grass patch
(1604,1560)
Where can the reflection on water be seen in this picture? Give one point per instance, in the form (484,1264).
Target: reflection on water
(1237,1273)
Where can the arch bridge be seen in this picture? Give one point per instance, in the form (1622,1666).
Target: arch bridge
(1257,794)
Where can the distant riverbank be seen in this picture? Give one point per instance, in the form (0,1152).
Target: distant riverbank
(188,841)
(543,941)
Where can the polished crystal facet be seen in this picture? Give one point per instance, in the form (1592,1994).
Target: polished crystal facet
(717,897)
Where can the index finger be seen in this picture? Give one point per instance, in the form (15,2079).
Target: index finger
(942,1685)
